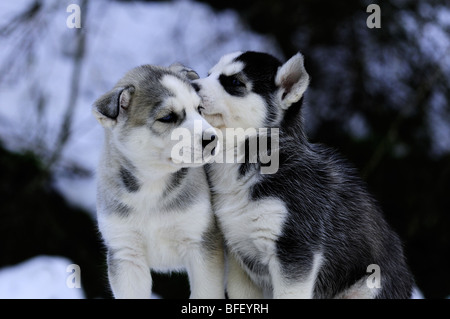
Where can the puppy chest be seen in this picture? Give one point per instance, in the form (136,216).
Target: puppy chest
(174,235)
(164,238)
(252,228)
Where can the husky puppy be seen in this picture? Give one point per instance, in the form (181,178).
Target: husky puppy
(154,209)
(309,229)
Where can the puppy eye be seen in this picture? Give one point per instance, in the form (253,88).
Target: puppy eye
(235,82)
(231,81)
(200,109)
(170,118)
(232,85)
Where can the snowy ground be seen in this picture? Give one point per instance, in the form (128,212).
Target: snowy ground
(46,277)
(42,277)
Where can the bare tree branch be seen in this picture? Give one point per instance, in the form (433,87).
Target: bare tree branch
(66,126)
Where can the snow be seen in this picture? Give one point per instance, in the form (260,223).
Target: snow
(42,277)
(50,277)
(120,36)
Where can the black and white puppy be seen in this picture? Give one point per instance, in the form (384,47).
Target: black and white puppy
(309,229)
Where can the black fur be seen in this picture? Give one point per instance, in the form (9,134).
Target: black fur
(109,104)
(129,180)
(329,207)
(118,208)
(260,69)
(176,180)
(181,191)
(331,211)
(258,269)
(232,85)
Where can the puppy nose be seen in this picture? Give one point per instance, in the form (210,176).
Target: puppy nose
(196,87)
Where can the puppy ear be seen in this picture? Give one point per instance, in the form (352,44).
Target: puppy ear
(108,107)
(292,80)
(187,72)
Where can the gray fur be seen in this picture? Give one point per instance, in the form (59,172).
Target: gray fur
(154,212)
(187,72)
(129,180)
(182,190)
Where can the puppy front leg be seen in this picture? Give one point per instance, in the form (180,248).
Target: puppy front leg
(206,273)
(286,287)
(239,284)
(129,275)
(282,289)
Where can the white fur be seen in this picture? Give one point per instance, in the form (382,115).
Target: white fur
(296,290)
(230,112)
(359,290)
(252,233)
(152,236)
(293,79)
(185,95)
(160,240)
(239,284)
(226,64)
(251,228)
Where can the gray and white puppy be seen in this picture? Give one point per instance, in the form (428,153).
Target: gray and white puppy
(153,209)
(310,229)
